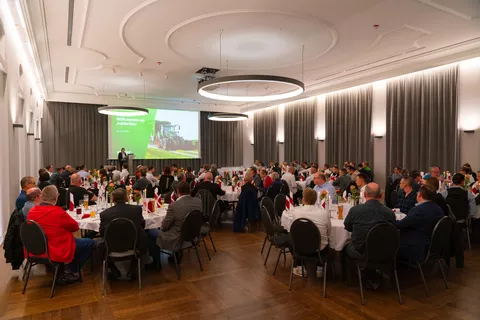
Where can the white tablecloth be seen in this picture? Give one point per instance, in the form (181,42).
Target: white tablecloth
(230,195)
(222,170)
(338,235)
(152,221)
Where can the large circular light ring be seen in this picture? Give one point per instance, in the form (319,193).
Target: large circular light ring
(123,111)
(220,116)
(298,86)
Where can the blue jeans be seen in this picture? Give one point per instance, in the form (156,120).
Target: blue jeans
(82,252)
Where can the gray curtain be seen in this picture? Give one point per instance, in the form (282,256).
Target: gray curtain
(265,135)
(422,120)
(348,122)
(74,134)
(300,142)
(221,142)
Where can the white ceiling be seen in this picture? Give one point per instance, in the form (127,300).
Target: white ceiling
(116,44)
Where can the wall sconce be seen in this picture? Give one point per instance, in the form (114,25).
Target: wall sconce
(30,134)
(378,137)
(17,125)
(469,131)
(42,141)
(280,142)
(320,140)
(251,144)
(37,139)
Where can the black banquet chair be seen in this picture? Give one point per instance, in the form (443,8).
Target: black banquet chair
(306,247)
(190,236)
(381,247)
(208,201)
(36,247)
(438,243)
(207,228)
(120,245)
(280,241)
(279,204)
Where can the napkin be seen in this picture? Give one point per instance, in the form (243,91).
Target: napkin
(86,215)
(72,203)
(344,196)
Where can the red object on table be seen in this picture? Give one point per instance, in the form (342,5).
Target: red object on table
(151,206)
(86,215)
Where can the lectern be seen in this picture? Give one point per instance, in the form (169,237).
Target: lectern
(130,157)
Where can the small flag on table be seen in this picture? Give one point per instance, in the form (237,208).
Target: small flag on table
(302,177)
(157,199)
(72,203)
(474,191)
(287,203)
(323,202)
(172,197)
(122,182)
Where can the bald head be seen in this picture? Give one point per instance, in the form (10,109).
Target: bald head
(208,176)
(372,191)
(50,194)
(34,195)
(75,180)
(248,177)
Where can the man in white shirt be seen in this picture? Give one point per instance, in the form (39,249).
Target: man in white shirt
(320,217)
(289,178)
(151,177)
(362,180)
(83,172)
(124,174)
(313,171)
(321,184)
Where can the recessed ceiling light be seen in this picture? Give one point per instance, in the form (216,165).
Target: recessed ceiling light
(297,87)
(123,111)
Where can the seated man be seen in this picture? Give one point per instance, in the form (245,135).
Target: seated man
(124,174)
(275,187)
(461,201)
(168,237)
(342,181)
(34,197)
(321,218)
(209,185)
(79,192)
(59,227)
(407,198)
(143,182)
(361,180)
(267,180)
(127,211)
(247,207)
(309,180)
(439,200)
(26,183)
(362,218)
(289,178)
(417,227)
(150,176)
(321,184)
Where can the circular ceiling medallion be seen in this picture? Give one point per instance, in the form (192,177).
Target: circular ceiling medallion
(220,116)
(123,111)
(251,39)
(208,88)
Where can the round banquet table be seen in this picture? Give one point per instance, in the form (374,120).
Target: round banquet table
(230,195)
(152,220)
(338,235)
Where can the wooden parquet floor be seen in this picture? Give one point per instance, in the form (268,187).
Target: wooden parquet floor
(236,285)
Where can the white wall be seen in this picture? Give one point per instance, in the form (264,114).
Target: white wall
(469,112)
(15,144)
(281,132)
(379,128)
(320,130)
(248,155)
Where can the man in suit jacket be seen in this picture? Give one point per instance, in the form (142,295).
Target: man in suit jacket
(209,185)
(275,187)
(342,181)
(122,157)
(169,237)
(417,227)
(143,182)
(127,211)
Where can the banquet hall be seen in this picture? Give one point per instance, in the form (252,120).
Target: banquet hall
(311,159)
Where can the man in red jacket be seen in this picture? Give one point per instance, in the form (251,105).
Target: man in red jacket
(59,227)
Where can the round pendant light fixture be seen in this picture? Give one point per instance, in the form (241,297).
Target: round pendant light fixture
(123,111)
(221,116)
(297,87)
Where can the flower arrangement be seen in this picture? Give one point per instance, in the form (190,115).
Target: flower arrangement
(355,193)
(338,195)
(95,173)
(137,196)
(110,187)
(323,195)
(218,179)
(466,182)
(227,177)
(129,192)
(234,180)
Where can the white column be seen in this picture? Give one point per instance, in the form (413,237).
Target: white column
(379,129)
(248,156)
(320,130)
(469,112)
(281,133)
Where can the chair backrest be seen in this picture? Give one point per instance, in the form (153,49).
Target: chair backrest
(305,237)
(149,191)
(285,190)
(268,204)
(382,243)
(165,183)
(120,236)
(192,184)
(271,193)
(267,222)
(457,199)
(440,237)
(62,197)
(280,204)
(215,214)
(167,197)
(208,201)
(191,226)
(33,238)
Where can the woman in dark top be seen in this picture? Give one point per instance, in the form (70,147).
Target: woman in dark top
(439,200)
(44,180)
